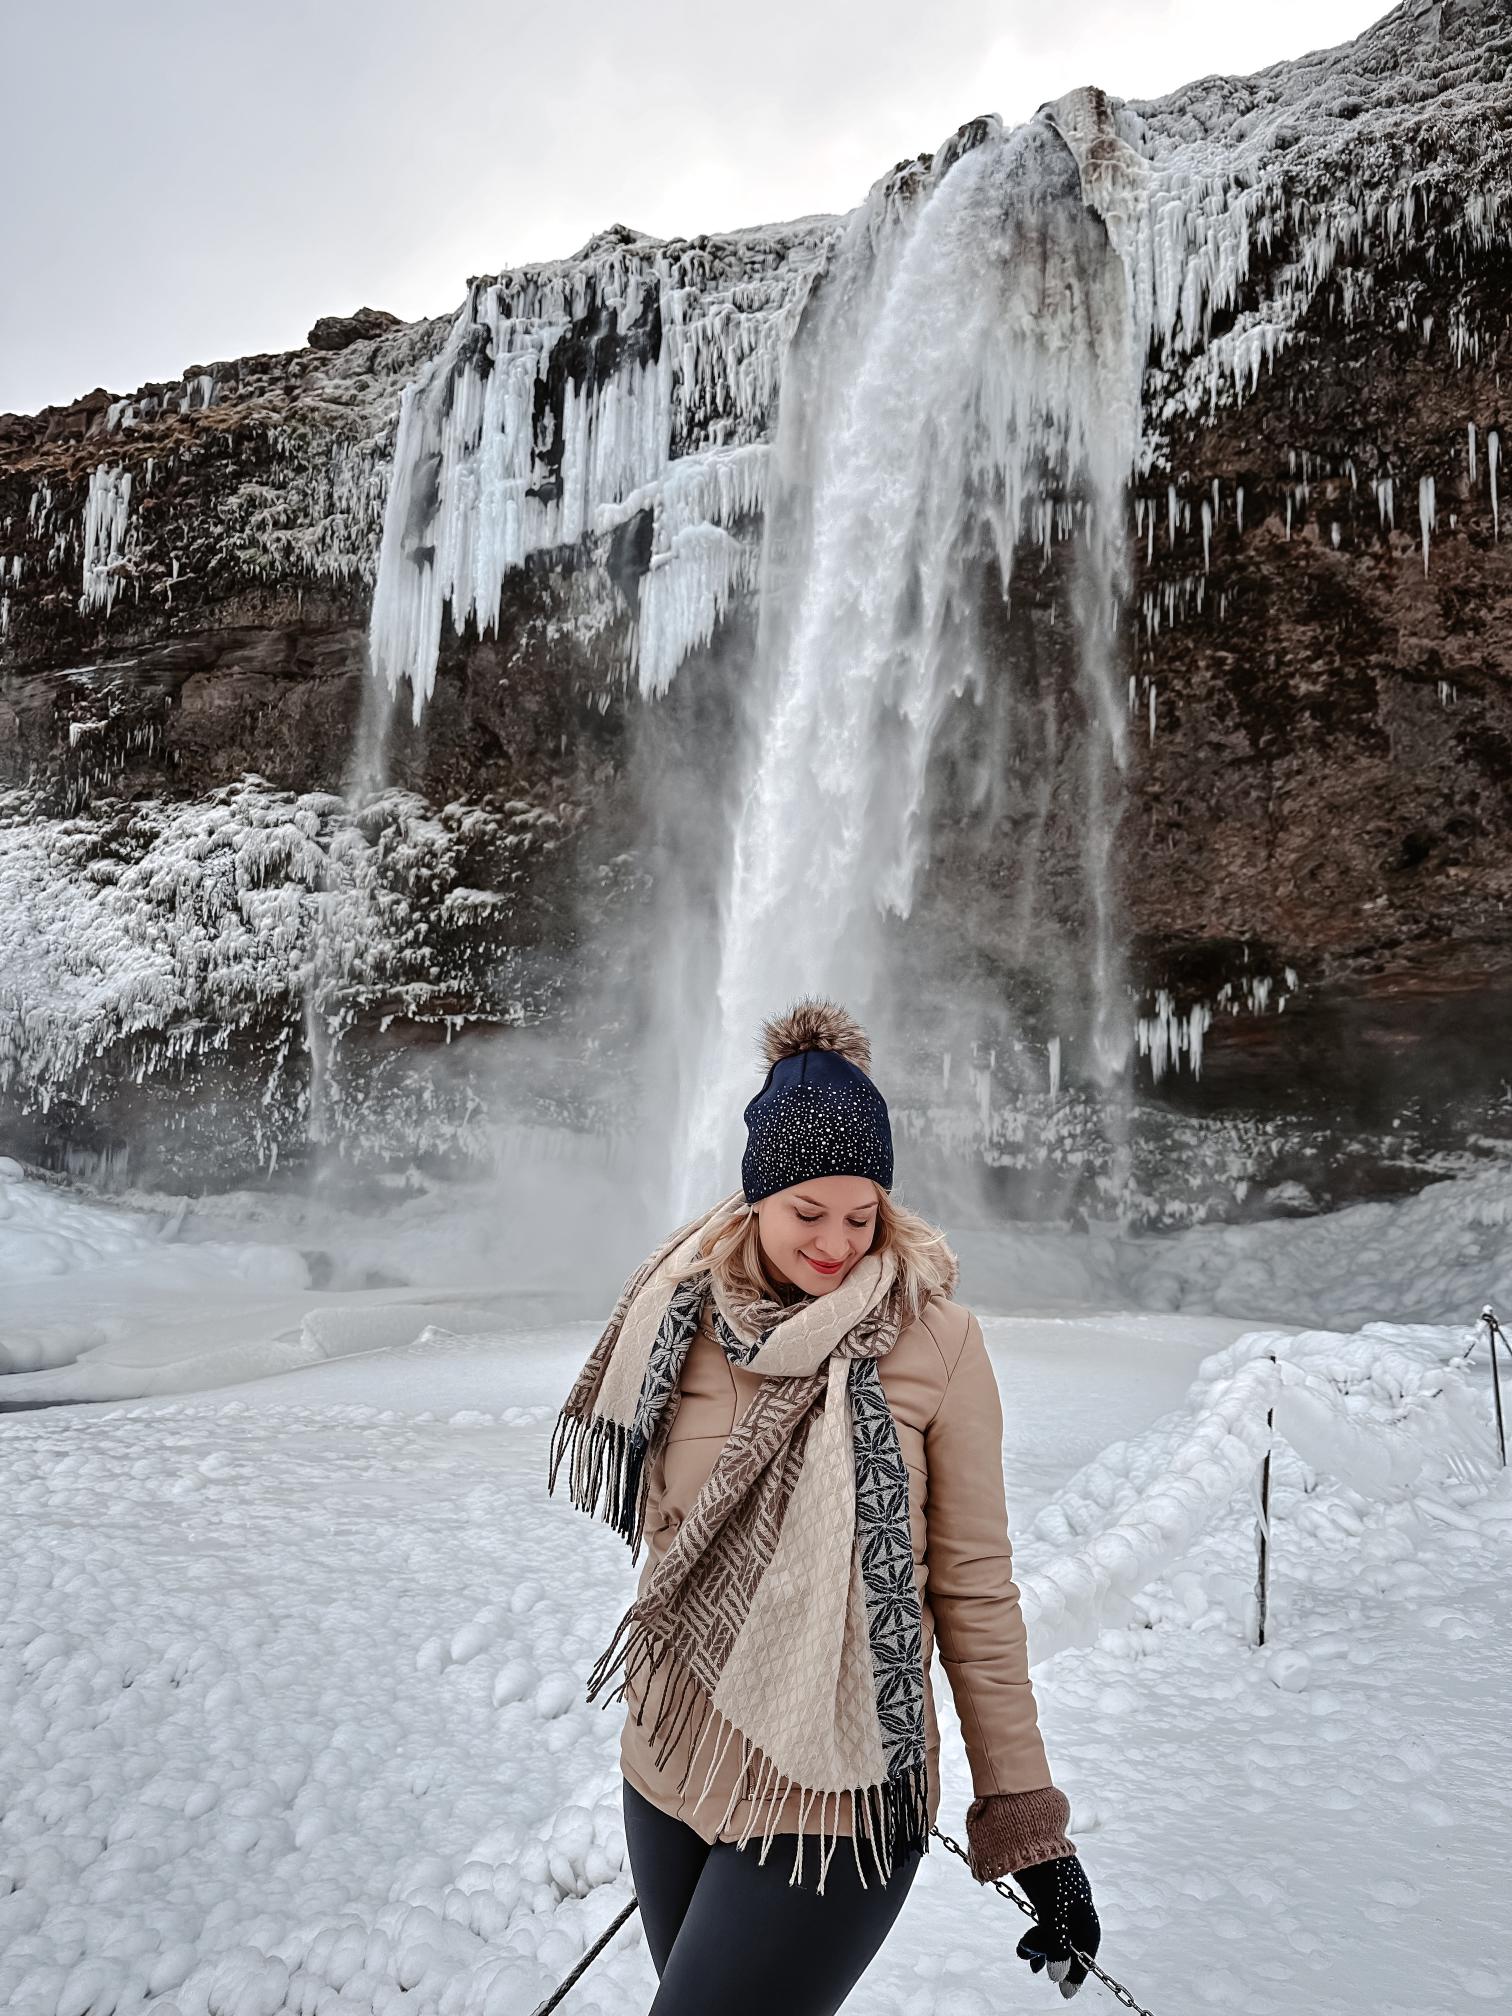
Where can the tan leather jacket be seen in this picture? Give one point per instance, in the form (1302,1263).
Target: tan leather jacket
(944,1399)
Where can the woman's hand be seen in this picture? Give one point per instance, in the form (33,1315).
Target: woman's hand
(1062,1901)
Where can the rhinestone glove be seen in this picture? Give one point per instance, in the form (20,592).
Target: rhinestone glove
(1062,1901)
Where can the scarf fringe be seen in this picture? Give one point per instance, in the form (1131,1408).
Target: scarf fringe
(606,1477)
(891,1817)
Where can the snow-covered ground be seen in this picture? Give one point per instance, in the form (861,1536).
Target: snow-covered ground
(291,1670)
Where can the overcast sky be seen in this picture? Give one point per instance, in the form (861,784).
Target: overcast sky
(191,182)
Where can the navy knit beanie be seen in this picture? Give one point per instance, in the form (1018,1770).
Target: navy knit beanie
(818,1112)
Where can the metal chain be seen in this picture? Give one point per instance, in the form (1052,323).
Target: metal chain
(1115,1988)
(558,1994)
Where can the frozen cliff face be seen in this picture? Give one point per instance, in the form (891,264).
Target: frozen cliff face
(548,513)
(615,407)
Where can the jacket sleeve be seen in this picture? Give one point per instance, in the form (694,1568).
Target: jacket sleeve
(979,1626)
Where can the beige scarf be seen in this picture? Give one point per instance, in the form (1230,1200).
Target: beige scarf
(785,1609)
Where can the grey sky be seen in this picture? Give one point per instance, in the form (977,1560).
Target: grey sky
(189,182)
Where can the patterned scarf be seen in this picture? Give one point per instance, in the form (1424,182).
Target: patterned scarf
(785,1608)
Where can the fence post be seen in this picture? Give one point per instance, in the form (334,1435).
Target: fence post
(1262,1570)
(1496,1338)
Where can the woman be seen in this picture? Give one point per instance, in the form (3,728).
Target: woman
(807,1432)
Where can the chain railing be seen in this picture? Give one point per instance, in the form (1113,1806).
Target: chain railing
(558,1993)
(1496,1340)
(1115,1988)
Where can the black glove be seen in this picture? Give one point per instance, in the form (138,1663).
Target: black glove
(1066,1917)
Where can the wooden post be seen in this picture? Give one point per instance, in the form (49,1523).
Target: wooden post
(1496,1336)
(1262,1572)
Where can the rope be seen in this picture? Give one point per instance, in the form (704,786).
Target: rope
(1115,1988)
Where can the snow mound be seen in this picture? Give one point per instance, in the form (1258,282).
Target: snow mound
(1389,1411)
(1423,1259)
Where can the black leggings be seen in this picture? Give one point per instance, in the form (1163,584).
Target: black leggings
(729,1933)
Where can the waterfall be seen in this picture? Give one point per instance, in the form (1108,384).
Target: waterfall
(963,383)
(908,401)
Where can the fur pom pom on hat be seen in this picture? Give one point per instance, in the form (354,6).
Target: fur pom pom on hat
(812,1024)
(818,1112)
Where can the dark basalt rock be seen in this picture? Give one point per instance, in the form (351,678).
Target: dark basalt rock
(335,332)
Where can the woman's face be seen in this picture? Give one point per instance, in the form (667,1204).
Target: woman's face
(814,1233)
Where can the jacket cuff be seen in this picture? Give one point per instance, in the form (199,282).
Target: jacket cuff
(1006,1831)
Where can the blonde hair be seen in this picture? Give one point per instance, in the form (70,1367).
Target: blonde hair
(731,1255)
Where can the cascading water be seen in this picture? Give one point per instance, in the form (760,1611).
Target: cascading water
(958,367)
(326,974)
(965,381)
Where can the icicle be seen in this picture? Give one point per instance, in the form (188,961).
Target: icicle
(1207,533)
(1470,451)
(105,509)
(1493,463)
(487,472)
(1199,1019)
(1427,514)
(1152,710)
(1173,511)
(1055,1066)
(1239,508)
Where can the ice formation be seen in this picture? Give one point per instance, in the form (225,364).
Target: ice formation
(1493,465)
(562,407)
(1172,1037)
(105,509)
(1239,199)
(1427,514)
(195,919)
(1169,1036)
